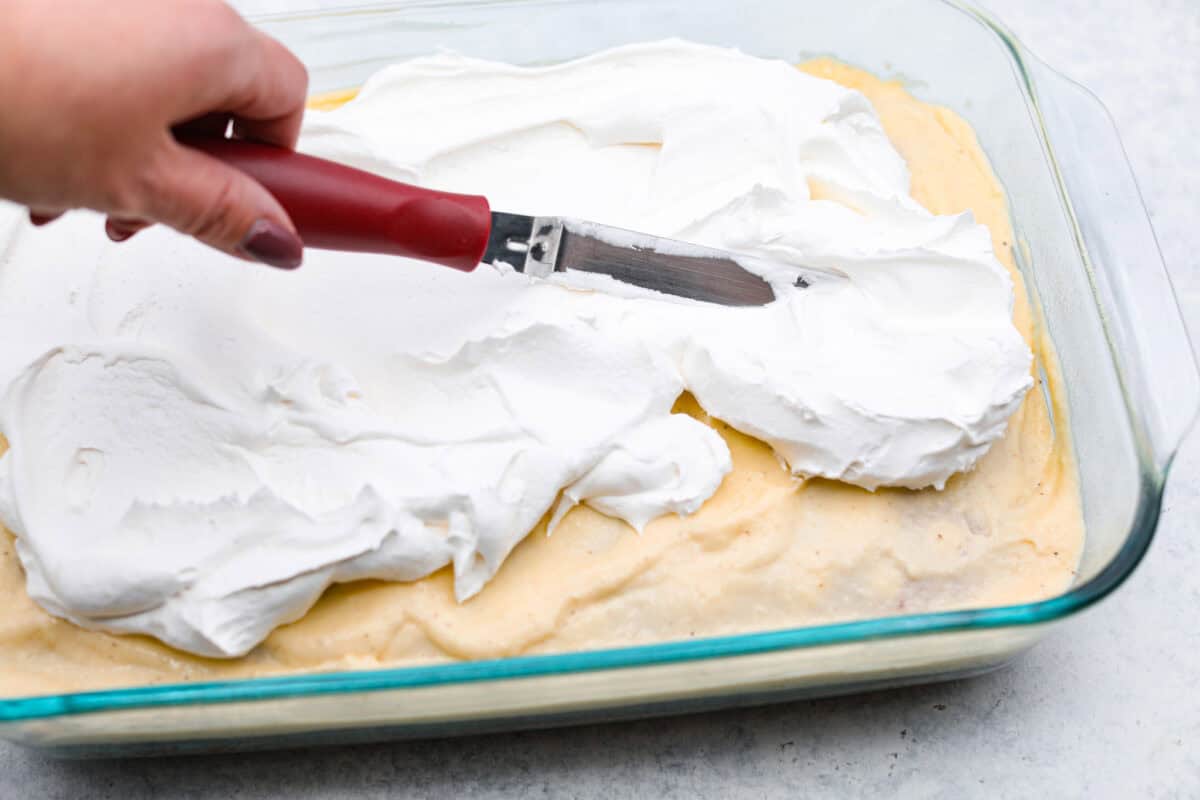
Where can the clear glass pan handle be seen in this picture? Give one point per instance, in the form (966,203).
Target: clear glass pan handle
(1141,314)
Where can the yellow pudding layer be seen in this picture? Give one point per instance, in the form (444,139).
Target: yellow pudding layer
(766,552)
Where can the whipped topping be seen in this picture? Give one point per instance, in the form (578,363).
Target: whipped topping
(200,447)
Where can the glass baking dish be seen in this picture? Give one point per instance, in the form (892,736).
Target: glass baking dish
(1091,263)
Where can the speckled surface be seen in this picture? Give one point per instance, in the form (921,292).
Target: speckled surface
(1107,707)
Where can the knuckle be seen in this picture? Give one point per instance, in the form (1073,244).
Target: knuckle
(223,16)
(133,191)
(293,64)
(224,31)
(301,71)
(216,221)
(125,192)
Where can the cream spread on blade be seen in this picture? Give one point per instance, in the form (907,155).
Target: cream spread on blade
(198,448)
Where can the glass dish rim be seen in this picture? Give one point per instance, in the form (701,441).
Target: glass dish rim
(1146,515)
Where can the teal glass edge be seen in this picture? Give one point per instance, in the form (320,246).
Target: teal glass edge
(251,689)
(270,688)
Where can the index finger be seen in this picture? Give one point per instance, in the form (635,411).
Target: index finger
(270,107)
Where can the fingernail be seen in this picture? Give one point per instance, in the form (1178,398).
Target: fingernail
(42,219)
(272,244)
(116,232)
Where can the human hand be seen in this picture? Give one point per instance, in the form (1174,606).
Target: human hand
(92,91)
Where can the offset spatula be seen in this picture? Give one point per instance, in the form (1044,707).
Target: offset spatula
(335,207)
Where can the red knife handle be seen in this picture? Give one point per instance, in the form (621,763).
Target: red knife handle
(335,207)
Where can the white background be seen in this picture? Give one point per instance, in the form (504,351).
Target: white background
(1107,707)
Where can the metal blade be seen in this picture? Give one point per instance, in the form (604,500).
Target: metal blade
(539,246)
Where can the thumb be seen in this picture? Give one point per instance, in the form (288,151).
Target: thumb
(222,207)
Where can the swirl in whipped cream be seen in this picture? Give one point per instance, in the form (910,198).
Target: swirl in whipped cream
(199,448)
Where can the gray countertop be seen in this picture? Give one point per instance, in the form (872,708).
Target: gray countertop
(1107,706)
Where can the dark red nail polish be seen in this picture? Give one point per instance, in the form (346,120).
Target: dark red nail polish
(42,219)
(273,244)
(116,232)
